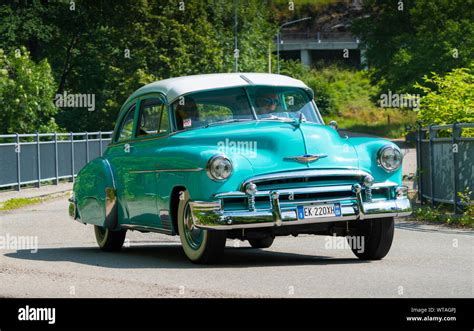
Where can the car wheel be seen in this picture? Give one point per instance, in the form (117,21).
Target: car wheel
(108,240)
(376,235)
(261,242)
(199,245)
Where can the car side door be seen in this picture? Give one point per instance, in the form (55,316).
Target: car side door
(120,155)
(152,130)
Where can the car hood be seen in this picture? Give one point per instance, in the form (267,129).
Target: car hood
(273,146)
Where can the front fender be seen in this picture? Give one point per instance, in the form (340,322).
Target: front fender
(367,149)
(198,184)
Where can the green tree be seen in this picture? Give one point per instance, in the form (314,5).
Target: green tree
(87,45)
(406,40)
(26,94)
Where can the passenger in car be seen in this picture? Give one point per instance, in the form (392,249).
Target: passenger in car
(186,113)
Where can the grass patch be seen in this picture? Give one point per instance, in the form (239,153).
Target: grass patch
(443,215)
(16,203)
(348,97)
(391,123)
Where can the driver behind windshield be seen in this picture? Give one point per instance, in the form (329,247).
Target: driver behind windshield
(266,104)
(269,106)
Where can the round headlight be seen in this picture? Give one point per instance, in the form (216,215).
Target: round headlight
(219,168)
(389,158)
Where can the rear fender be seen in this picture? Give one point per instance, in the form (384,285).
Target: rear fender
(95,194)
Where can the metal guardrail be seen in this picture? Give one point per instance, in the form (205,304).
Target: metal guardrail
(40,157)
(319,36)
(445,164)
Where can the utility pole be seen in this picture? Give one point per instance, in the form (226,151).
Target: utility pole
(236,45)
(270,58)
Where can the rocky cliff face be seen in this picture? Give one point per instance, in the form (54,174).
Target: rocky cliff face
(334,16)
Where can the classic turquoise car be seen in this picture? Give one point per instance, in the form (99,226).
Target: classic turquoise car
(242,156)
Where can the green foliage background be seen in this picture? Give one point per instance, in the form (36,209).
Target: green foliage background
(408,39)
(83,50)
(86,48)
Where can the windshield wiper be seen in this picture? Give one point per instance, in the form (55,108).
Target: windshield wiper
(228,121)
(276,118)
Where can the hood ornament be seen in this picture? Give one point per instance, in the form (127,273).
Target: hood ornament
(306,158)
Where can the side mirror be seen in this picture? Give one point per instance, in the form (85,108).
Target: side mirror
(333,124)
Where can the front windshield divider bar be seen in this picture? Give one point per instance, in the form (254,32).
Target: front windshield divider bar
(251,104)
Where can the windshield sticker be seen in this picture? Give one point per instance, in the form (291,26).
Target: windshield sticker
(187,122)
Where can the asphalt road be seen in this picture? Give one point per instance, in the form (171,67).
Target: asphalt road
(425,261)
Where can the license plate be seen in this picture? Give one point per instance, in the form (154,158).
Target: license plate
(323,210)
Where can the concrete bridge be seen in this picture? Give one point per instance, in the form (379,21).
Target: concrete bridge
(309,47)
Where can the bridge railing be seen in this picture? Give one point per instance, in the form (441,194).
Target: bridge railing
(40,157)
(319,36)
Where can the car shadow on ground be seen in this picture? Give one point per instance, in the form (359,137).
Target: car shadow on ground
(171,256)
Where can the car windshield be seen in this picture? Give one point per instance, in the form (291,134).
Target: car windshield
(206,108)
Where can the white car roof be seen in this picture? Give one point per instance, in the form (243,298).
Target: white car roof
(175,87)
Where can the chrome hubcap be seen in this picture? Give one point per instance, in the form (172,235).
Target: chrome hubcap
(193,235)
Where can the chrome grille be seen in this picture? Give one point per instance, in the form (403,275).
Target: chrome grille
(300,187)
(305,178)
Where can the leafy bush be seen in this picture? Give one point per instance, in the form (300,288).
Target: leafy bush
(26,94)
(448,99)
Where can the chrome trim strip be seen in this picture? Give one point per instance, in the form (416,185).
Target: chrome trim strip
(145,228)
(246,79)
(304,202)
(313,189)
(166,170)
(111,173)
(299,190)
(305,173)
(231,194)
(383,185)
(302,190)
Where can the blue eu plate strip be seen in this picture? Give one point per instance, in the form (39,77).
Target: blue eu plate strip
(300,212)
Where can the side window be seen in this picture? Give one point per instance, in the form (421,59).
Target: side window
(153,118)
(164,123)
(126,128)
(214,113)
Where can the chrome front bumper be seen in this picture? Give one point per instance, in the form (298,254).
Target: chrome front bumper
(210,214)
